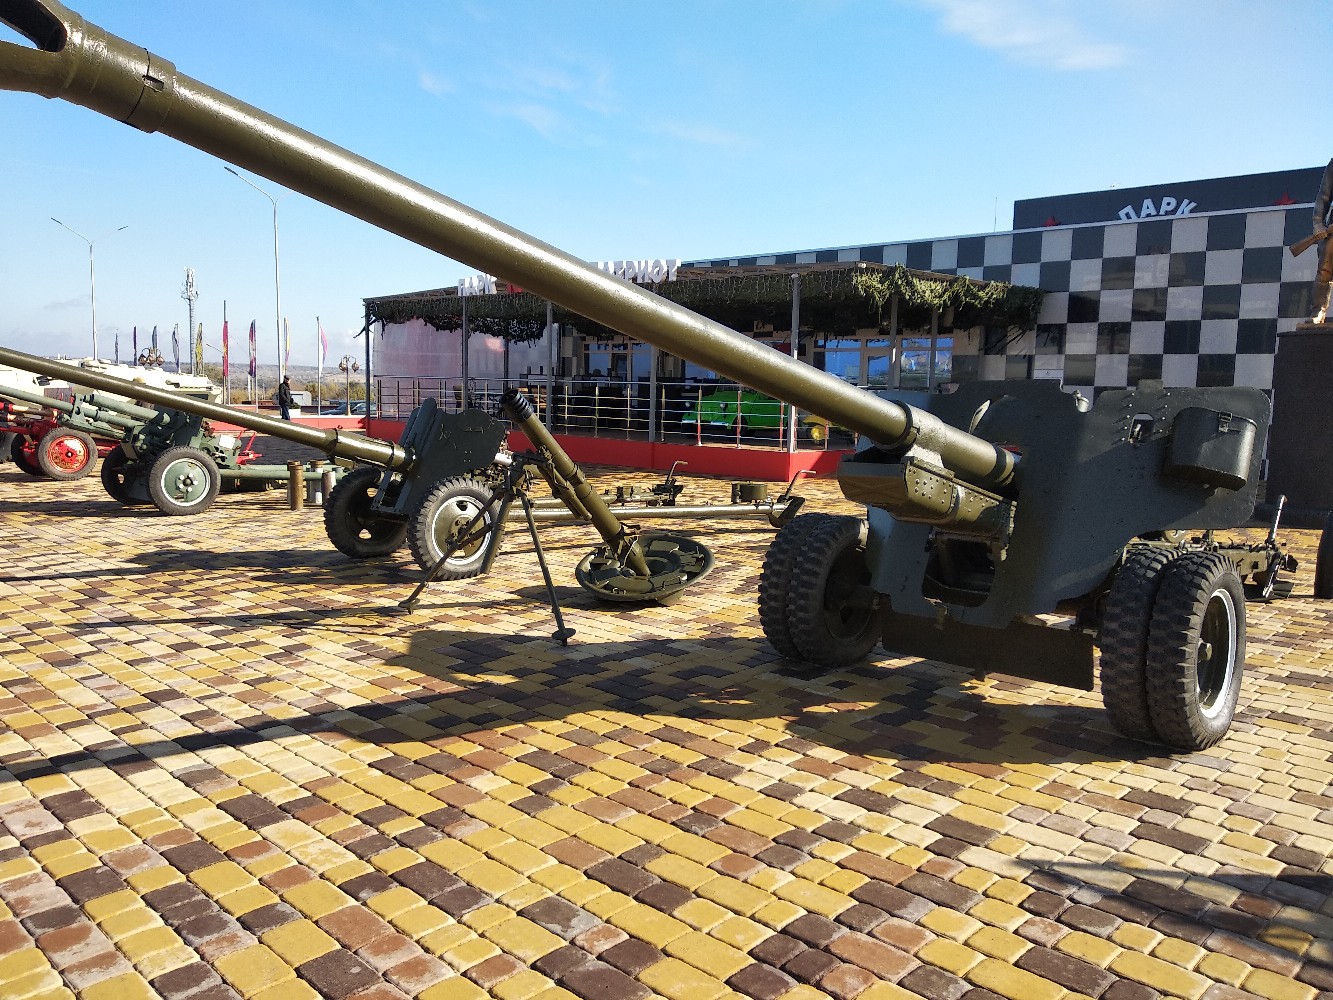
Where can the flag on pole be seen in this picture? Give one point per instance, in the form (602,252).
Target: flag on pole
(155,338)
(286,344)
(117,345)
(254,350)
(135,342)
(226,358)
(176,346)
(199,351)
(321,349)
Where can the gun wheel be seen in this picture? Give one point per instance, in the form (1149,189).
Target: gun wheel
(440,521)
(1196,651)
(352,525)
(775,581)
(1124,639)
(6,442)
(1323,564)
(23,450)
(183,481)
(115,479)
(833,610)
(66,455)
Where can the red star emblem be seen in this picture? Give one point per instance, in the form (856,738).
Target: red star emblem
(1051,220)
(1286,199)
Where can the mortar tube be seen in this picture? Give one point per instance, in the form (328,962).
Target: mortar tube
(627,552)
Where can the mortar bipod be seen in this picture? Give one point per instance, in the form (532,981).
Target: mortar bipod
(654,566)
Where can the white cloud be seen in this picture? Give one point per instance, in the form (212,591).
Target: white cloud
(1038,32)
(697,134)
(433,83)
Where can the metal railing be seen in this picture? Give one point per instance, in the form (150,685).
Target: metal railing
(682,412)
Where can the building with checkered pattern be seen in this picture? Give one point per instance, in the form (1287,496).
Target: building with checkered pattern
(1189,282)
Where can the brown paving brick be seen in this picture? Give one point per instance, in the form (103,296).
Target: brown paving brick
(597,981)
(934,984)
(762,982)
(185,981)
(338,974)
(810,965)
(1070,972)
(427,879)
(494,970)
(1125,989)
(555,964)
(893,900)
(813,930)
(597,939)
(877,957)
(632,956)
(44,921)
(576,853)
(845,981)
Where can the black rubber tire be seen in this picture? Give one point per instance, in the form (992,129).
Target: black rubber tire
(349,523)
(1123,638)
(834,614)
(18,453)
(446,510)
(6,442)
(66,455)
(114,479)
(1323,563)
(182,481)
(1196,651)
(775,580)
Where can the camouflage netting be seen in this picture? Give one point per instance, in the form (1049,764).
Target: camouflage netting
(835,299)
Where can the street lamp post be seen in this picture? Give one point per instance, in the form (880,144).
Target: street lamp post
(347,365)
(92,278)
(277,285)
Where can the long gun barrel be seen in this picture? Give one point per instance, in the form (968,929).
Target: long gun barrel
(94,408)
(84,64)
(335,443)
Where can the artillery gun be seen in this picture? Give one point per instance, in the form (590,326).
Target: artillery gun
(987,511)
(165,456)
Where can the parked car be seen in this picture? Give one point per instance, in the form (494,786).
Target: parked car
(720,411)
(340,409)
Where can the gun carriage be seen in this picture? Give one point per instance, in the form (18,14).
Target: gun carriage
(987,511)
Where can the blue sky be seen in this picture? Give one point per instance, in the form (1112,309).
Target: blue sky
(628,129)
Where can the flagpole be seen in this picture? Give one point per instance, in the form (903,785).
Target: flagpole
(319,368)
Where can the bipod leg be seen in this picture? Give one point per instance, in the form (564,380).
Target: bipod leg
(502,495)
(561,634)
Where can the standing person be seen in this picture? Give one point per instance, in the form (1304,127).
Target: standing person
(1324,274)
(285,399)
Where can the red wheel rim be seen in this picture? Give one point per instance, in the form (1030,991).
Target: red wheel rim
(68,454)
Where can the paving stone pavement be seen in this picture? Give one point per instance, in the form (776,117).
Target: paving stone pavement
(228,771)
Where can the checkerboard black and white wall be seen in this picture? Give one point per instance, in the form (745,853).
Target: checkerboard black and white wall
(1195,300)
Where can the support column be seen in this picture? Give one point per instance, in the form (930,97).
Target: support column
(793,419)
(1300,441)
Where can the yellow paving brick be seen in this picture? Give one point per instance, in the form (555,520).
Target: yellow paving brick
(609,838)
(298,941)
(708,955)
(127,986)
(1012,982)
(695,848)
(221,878)
(491,876)
(949,956)
(316,898)
(417,921)
(1271,986)
(523,986)
(253,969)
(650,925)
(523,939)
(950,923)
(680,870)
(999,914)
(246,898)
(1224,969)
(701,914)
(1092,949)
(1134,937)
(1159,975)
(679,981)
(456,988)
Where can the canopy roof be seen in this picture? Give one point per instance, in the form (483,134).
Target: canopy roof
(835,298)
